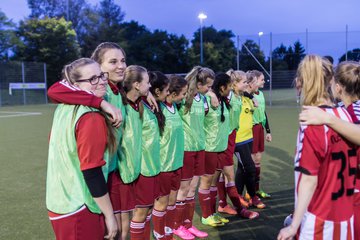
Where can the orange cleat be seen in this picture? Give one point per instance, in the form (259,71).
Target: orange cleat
(227,209)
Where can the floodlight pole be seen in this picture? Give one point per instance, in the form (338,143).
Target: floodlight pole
(201,16)
(271,71)
(260,34)
(346,42)
(238,52)
(67,10)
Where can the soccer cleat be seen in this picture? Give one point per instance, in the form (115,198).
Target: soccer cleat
(211,221)
(227,209)
(256,202)
(197,233)
(243,202)
(220,218)
(247,197)
(183,233)
(263,194)
(244,213)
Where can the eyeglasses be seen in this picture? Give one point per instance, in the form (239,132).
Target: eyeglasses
(95,79)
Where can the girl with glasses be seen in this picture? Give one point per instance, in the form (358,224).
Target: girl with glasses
(77,197)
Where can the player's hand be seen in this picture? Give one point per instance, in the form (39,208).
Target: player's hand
(150,98)
(111,227)
(268,137)
(311,115)
(213,99)
(115,114)
(287,233)
(255,101)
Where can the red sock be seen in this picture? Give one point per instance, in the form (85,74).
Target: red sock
(158,218)
(179,214)
(137,230)
(189,211)
(257,178)
(204,200)
(221,192)
(233,195)
(213,194)
(169,221)
(147,227)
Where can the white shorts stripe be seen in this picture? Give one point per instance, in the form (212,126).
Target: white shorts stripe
(67,215)
(307,229)
(328,230)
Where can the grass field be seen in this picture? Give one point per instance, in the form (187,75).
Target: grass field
(24,135)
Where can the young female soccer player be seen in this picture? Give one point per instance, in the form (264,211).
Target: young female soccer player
(346,86)
(217,125)
(76,191)
(192,112)
(245,173)
(171,154)
(112,60)
(260,122)
(324,165)
(217,128)
(239,85)
(147,187)
(136,86)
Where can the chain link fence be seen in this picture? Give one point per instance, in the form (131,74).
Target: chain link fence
(278,55)
(22,83)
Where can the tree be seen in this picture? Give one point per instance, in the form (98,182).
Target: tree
(48,40)
(103,24)
(299,53)
(219,49)
(247,62)
(166,52)
(353,55)
(156,50)
(294,55)
(74,12)
(7,36)
(278,60)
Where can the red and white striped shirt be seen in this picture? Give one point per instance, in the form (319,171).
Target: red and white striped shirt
(322,152)
(354,111)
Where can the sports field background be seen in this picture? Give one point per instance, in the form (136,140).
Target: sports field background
(24,132)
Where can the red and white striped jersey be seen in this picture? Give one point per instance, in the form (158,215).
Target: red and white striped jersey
(314,228)
(322,152)
(354,111)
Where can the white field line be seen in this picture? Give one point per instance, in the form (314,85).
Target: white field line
(18,114)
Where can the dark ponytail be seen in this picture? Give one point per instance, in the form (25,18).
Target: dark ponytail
(221,80)
(158,80)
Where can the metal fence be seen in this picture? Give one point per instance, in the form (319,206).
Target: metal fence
(22,83)
(335,44)
(278,71)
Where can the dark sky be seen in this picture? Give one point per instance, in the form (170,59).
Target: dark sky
(244,18)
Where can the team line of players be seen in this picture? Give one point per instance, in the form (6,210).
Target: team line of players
(152,163)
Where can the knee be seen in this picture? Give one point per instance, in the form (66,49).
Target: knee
(205,181)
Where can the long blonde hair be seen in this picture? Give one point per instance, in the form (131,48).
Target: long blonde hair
(71,73)
(236,76)
(196,75)
(313,76)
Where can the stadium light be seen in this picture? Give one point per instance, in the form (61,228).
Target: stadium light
(202,17)
(260,34)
